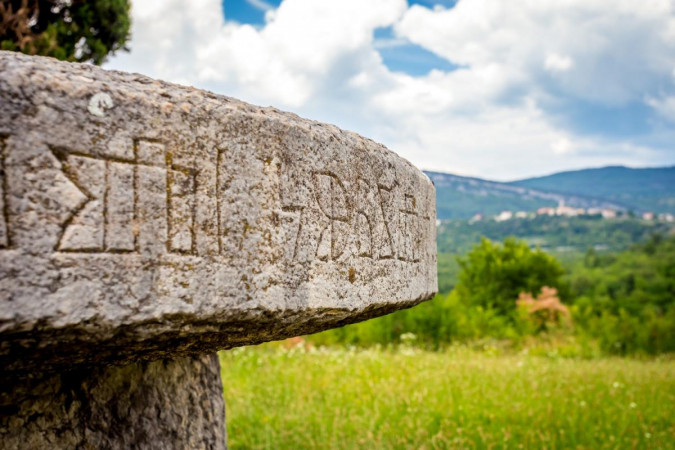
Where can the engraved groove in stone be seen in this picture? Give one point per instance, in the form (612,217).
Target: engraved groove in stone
(83,230)
(362,196)
(181,185)
(299,210)
(107,219)
(338,213)
(119,230)
(4,196)
(408,217)
(389,240)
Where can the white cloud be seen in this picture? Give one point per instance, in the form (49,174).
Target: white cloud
(558,63)
(488,118)
(505,142)
(562,146)
(665,106)
(281,63)
(619,48)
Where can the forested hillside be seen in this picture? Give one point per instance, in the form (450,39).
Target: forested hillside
(552,233)
(460,197)
(617,188)
(638,189)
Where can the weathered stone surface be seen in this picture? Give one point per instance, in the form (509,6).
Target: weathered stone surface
(143,224)
(159,405)
(140,219)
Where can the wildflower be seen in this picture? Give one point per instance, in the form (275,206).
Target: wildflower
(582,404)
(616,385)
(408,338)
(648,435)
(633,405)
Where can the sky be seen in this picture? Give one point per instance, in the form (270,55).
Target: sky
(496,89)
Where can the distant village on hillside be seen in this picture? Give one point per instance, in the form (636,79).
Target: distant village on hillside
(569,211)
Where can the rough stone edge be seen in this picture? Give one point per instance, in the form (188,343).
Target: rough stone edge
(126,344)
(188,91)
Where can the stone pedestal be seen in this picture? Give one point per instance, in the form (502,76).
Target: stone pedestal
(143,224)
(162,404)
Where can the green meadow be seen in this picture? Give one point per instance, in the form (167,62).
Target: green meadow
(592,366)
(404,397)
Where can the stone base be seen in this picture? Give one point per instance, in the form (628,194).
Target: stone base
(163,404)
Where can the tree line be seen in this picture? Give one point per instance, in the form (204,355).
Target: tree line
(618,302)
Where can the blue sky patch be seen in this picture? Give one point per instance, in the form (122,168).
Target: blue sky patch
(433,3)
(627,121)
(401,55)
(251,12)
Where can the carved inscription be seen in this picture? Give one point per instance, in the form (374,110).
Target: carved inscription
(181,207)
(147,203)
(364,218)
(84,230)
(4,207)
(409,226)
(386,200)
(294,217)
(375,220)
(122,198)
(332,200)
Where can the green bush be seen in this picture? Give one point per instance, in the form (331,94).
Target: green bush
(627,300)
(493,275)
(442,320)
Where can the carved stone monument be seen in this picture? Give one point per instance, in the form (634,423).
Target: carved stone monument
(144,225)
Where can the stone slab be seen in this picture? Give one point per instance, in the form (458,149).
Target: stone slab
(141,219)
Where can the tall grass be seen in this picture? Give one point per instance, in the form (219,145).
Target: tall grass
(342,398)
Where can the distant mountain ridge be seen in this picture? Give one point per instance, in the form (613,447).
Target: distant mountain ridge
(617,188)
(648,189)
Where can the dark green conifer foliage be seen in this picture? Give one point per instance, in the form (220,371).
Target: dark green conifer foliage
(70,30)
